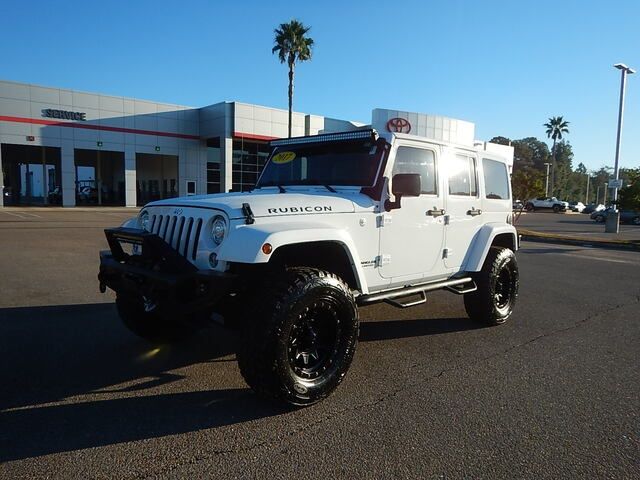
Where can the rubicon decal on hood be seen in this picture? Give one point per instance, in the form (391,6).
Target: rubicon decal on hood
(317,208)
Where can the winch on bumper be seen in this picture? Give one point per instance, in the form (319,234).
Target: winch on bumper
(141,263)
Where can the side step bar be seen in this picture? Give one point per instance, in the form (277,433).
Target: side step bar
(456,285)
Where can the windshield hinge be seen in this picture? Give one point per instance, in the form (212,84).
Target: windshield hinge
(248,214)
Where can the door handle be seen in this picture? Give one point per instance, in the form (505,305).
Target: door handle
(435,212)
(473,212)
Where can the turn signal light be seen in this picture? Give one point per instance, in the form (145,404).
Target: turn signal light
(267,248)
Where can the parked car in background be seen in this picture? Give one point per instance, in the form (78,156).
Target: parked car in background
(546,203)
(592,207)
(630,216)
(626,216)
(577,206)
(600,215)
(518,205)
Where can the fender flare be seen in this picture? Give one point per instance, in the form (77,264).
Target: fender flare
(246,241)
(474,260)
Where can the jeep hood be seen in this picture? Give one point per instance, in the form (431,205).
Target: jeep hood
(268,204)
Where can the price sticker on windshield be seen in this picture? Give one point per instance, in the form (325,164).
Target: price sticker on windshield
(283,157)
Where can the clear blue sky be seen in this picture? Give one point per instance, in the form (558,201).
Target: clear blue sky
(507,66)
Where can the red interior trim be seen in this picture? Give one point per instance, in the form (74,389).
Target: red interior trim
(90,126)
(252,136)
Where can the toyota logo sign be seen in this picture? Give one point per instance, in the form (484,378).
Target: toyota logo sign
(399,125)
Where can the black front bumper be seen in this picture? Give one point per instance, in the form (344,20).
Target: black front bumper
(159,274)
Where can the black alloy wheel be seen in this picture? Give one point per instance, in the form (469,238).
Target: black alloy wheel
(313,340)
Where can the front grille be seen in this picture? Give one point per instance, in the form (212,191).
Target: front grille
(181,233)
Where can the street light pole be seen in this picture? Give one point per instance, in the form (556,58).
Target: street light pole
(624,70)
(546,186)
(586,197)
(613,226)
(604,201)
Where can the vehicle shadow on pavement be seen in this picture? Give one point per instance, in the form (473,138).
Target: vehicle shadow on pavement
(392,329)
(61,367)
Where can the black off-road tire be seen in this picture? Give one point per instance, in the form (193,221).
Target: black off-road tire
(298,342)
(493,302)
(150,325)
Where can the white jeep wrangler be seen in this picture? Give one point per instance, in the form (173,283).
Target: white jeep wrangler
(335,221)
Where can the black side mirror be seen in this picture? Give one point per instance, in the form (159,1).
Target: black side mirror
(404,185)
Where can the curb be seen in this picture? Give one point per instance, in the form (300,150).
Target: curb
(533,236)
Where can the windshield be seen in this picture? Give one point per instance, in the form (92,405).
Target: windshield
(331,163)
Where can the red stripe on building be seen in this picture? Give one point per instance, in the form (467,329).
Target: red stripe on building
(252,136)
(89,126)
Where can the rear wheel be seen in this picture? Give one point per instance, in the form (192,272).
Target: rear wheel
(493,302)
(599,218)
(297,344)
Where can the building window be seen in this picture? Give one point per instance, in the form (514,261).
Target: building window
(213,170)
(247,163)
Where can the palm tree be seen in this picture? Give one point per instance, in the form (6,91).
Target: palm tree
(555,128)
(292,46)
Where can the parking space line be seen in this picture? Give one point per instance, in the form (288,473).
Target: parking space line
(612,260)
(14,214)
(111,214)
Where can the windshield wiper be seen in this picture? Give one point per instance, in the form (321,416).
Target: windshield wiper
(315,182)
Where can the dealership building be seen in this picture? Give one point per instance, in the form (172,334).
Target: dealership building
(70,148)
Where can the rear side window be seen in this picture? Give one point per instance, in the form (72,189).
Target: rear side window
(417,160)
(462,176)
(496,179)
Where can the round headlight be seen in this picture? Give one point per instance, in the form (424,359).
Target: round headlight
(218,229)
(144,220)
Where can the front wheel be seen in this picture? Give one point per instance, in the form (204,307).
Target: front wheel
(556,208)
(493,302)
(529,207)
(635,220)
(297,344)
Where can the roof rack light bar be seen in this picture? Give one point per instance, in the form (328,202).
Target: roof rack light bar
(369,133)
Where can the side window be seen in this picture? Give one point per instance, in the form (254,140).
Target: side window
(462,176)
(496,179)
(417,160)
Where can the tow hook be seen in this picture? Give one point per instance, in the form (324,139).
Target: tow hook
(149,305)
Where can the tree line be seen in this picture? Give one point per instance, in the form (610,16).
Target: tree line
(566,182)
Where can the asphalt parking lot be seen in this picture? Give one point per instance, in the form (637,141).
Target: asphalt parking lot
(574,224)
(555,393)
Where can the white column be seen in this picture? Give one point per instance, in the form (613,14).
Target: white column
(226,164)
(68,174)
(130,191)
